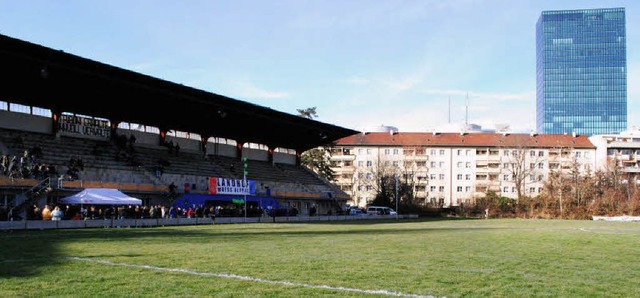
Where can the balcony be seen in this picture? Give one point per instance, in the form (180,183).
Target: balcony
(343,157)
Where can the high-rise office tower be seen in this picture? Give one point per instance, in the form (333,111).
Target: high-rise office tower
(581,70)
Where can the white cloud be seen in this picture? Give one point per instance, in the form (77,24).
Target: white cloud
(249,91)
(403,84)
(357,81)
(143,67)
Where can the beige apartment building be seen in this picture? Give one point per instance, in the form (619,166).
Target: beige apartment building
(621,151)
(448,169)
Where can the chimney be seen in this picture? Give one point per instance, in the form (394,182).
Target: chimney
(573,134)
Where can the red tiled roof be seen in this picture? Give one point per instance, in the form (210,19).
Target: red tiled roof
(429,139)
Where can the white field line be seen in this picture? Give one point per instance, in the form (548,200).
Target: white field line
(249,278)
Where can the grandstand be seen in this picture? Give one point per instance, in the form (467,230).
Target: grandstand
(77,118)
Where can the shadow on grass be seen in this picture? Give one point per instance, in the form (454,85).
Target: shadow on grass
(29,253)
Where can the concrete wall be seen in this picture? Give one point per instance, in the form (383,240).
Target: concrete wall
(26,122)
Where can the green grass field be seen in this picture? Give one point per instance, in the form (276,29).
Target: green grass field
(452,258)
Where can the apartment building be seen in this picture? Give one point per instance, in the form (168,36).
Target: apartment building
(449,169)
(621,151)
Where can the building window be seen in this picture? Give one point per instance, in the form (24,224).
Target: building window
(395,151)
(505,189)
(467,165)
(532,153)
(369,188)
(433,164)
(459,164)
(506,153)
(540,153)
(360,151)
(387,163)
(467,189)
(360,163)
(467,177)
(505,177)
(369,176)
(459,188)
(368,151)
(441,164)
(441,188)
(532,189)
(541,165)
(433,151)
(467,152)
(433,177)
(459,176)
(441,176)
(532,177)
(395,163)
(369,163)
(387,151)
(513,189)
(433,188)
(532,166)
(441,151)
(578,154)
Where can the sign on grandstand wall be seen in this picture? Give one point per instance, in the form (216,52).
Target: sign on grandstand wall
(72,125)
(228,186)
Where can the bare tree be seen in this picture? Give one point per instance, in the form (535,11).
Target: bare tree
(309,113)
(522,161)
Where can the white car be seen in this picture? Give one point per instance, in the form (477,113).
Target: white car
(380,210)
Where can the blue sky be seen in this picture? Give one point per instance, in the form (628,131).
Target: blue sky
(360,63)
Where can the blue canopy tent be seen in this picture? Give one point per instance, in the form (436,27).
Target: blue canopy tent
(189,200)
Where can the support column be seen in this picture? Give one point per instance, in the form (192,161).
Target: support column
(162,137)
(55,122)
(203,144)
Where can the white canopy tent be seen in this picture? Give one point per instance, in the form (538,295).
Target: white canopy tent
(100,196)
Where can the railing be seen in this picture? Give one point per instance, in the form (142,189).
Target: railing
(153,222)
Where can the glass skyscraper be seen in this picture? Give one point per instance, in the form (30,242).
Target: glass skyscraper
(581,71)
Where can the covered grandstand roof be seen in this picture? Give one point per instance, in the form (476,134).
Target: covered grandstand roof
(38,76)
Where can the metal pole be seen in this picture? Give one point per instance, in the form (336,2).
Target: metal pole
(245,195)
(397,196)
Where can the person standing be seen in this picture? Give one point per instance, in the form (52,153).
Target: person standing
(57,214)
(46,213)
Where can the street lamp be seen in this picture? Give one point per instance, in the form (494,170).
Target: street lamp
(244,174)
(396,176)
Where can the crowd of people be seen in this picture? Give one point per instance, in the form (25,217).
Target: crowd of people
(26,166)
(75,212)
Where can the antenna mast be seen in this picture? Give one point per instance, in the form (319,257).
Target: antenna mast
(466,115)
(449,109)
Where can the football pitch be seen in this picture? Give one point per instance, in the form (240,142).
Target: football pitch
(411,258)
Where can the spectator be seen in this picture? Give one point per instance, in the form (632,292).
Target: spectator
(46,213)
(172,188)
(4,164)
(57,214)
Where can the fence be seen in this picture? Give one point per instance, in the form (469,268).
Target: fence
(155,222)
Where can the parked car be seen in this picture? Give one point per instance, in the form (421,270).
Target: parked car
(380,210)
(356,211)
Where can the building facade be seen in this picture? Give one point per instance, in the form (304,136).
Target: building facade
(581,71)
(448,169)
(620,152)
